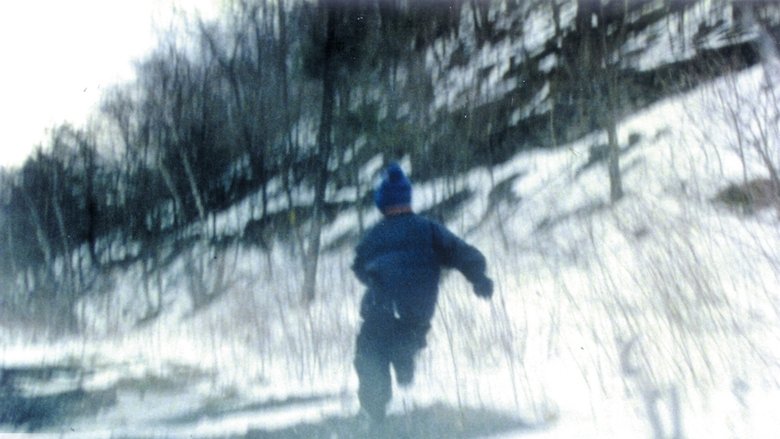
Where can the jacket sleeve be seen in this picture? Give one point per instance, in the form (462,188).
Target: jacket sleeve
(359,265)
(455,253)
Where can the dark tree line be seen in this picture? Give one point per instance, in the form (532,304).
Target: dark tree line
(282,103)
(273,91)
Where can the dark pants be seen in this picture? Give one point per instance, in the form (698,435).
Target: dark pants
(383,341)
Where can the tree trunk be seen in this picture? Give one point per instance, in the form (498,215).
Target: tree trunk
(40,234)
(322,158)
(613,160)
(65,300)
(168,180)
(196,195)
(91,204)
(610,122)
(291,149)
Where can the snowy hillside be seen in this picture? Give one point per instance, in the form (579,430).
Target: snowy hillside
(655,317)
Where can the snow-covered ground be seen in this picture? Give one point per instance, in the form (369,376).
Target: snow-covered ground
(633,320)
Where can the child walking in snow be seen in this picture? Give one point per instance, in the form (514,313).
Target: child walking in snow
(399,261)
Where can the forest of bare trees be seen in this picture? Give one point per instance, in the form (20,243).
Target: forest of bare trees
(286,101)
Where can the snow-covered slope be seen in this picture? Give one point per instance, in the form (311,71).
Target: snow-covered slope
(655,314)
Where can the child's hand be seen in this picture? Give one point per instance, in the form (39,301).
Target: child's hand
(484,288)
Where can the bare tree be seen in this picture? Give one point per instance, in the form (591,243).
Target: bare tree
(601,30)
(323,152)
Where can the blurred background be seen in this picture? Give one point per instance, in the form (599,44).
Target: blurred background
(196,174)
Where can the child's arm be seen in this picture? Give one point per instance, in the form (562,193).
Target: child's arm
(359,265)
(456,253)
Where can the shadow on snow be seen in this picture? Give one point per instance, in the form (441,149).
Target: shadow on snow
(437,421)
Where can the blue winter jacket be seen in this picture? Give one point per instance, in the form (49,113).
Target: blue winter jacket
(400,261)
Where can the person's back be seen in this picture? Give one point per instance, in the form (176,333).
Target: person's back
(400,260)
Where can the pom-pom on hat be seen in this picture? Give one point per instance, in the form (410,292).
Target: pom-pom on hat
(395,189)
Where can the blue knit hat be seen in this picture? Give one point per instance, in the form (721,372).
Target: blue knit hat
(395,190)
